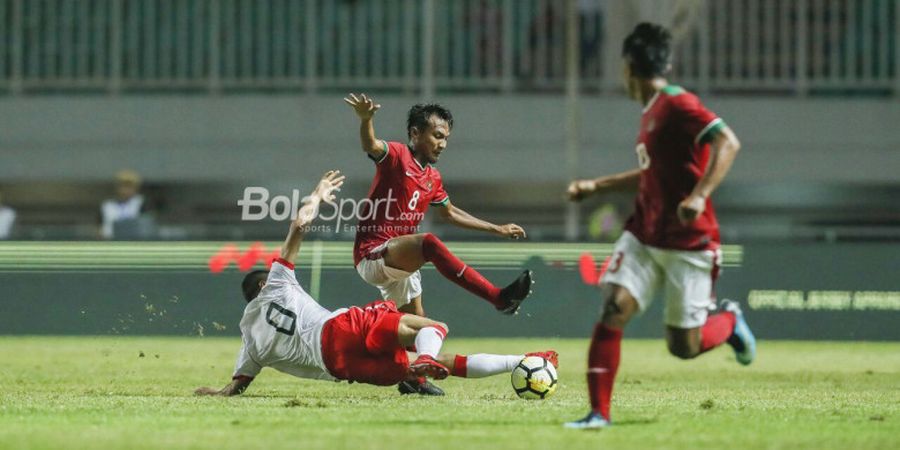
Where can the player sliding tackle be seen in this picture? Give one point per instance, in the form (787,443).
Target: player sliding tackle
(388,252)
(671,243)
(286,329)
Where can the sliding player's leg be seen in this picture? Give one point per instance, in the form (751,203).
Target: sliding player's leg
(410,252)
(367,345)
(428,337)
(482,365)
(400,289)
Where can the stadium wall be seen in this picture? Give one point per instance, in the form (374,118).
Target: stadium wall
(292,139)
(813,291)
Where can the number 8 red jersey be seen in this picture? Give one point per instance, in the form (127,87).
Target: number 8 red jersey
(398,198)
(673,152)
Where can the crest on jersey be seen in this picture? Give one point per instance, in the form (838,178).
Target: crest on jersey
(429,184)
(651,125)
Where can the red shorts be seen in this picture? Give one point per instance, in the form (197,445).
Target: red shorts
(362,345)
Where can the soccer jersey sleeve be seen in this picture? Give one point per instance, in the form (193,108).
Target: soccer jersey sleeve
(281,273)
(391,154)
(699,122)
(440,197)
(245,365)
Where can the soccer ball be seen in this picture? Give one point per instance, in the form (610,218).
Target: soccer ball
(534,378)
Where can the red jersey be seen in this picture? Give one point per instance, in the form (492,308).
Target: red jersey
(673,151)
(399,196)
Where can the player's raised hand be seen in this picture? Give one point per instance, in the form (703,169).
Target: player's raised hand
(330,183)
(364,105)
(691,208)
(579,189)
(512,231)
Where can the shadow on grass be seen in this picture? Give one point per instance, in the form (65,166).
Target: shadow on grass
(498,422)
(635,422)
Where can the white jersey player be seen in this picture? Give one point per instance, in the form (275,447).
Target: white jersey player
(286,329)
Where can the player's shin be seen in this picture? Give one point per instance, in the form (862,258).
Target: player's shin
(483,365)
(603,363)
(453,269)
(430,339)
(716,330)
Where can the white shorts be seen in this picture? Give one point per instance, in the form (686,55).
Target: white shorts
(395,284)
(684,278)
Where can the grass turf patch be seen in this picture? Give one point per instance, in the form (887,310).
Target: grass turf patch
(99,392)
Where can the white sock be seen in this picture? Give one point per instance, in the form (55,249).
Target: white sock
(429,341)
(484,365)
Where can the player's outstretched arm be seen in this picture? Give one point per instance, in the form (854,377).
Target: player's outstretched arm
(365,108)
(579,189)
(460,218)
(237,387)
(723,150)
(324,192)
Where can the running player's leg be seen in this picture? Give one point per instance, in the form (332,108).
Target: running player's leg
(410,252)
(629,285)
(690,330)
(727,326)
(688,343)
(604,354)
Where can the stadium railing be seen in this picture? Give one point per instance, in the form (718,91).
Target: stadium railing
(775,46)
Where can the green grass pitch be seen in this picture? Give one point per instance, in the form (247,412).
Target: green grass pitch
(97,392)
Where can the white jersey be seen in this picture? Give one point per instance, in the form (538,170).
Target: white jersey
(282,329)
(7,219)
(112,211)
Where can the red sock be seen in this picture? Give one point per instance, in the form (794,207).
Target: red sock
(435,252)
(459,366)
(716,330)
(603,363)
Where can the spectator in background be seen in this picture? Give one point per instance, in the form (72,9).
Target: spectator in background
(7,219)
(590,17)
(124,217)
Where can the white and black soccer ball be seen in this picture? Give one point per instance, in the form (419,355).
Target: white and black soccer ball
(534,378)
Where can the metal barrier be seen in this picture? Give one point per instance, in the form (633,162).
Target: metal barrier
(794,46)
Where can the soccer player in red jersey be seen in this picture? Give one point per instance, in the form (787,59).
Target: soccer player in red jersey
(389,251)
(670,246)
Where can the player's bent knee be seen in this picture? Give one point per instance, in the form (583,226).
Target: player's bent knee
(427,240)
(406,334)
(618,310)
(416,323)
(681,351)
(443,326)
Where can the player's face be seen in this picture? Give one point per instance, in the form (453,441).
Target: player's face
(431,141)
(125,190)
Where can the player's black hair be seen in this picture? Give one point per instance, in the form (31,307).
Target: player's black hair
(250,285)
(420,113)
(647,50)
